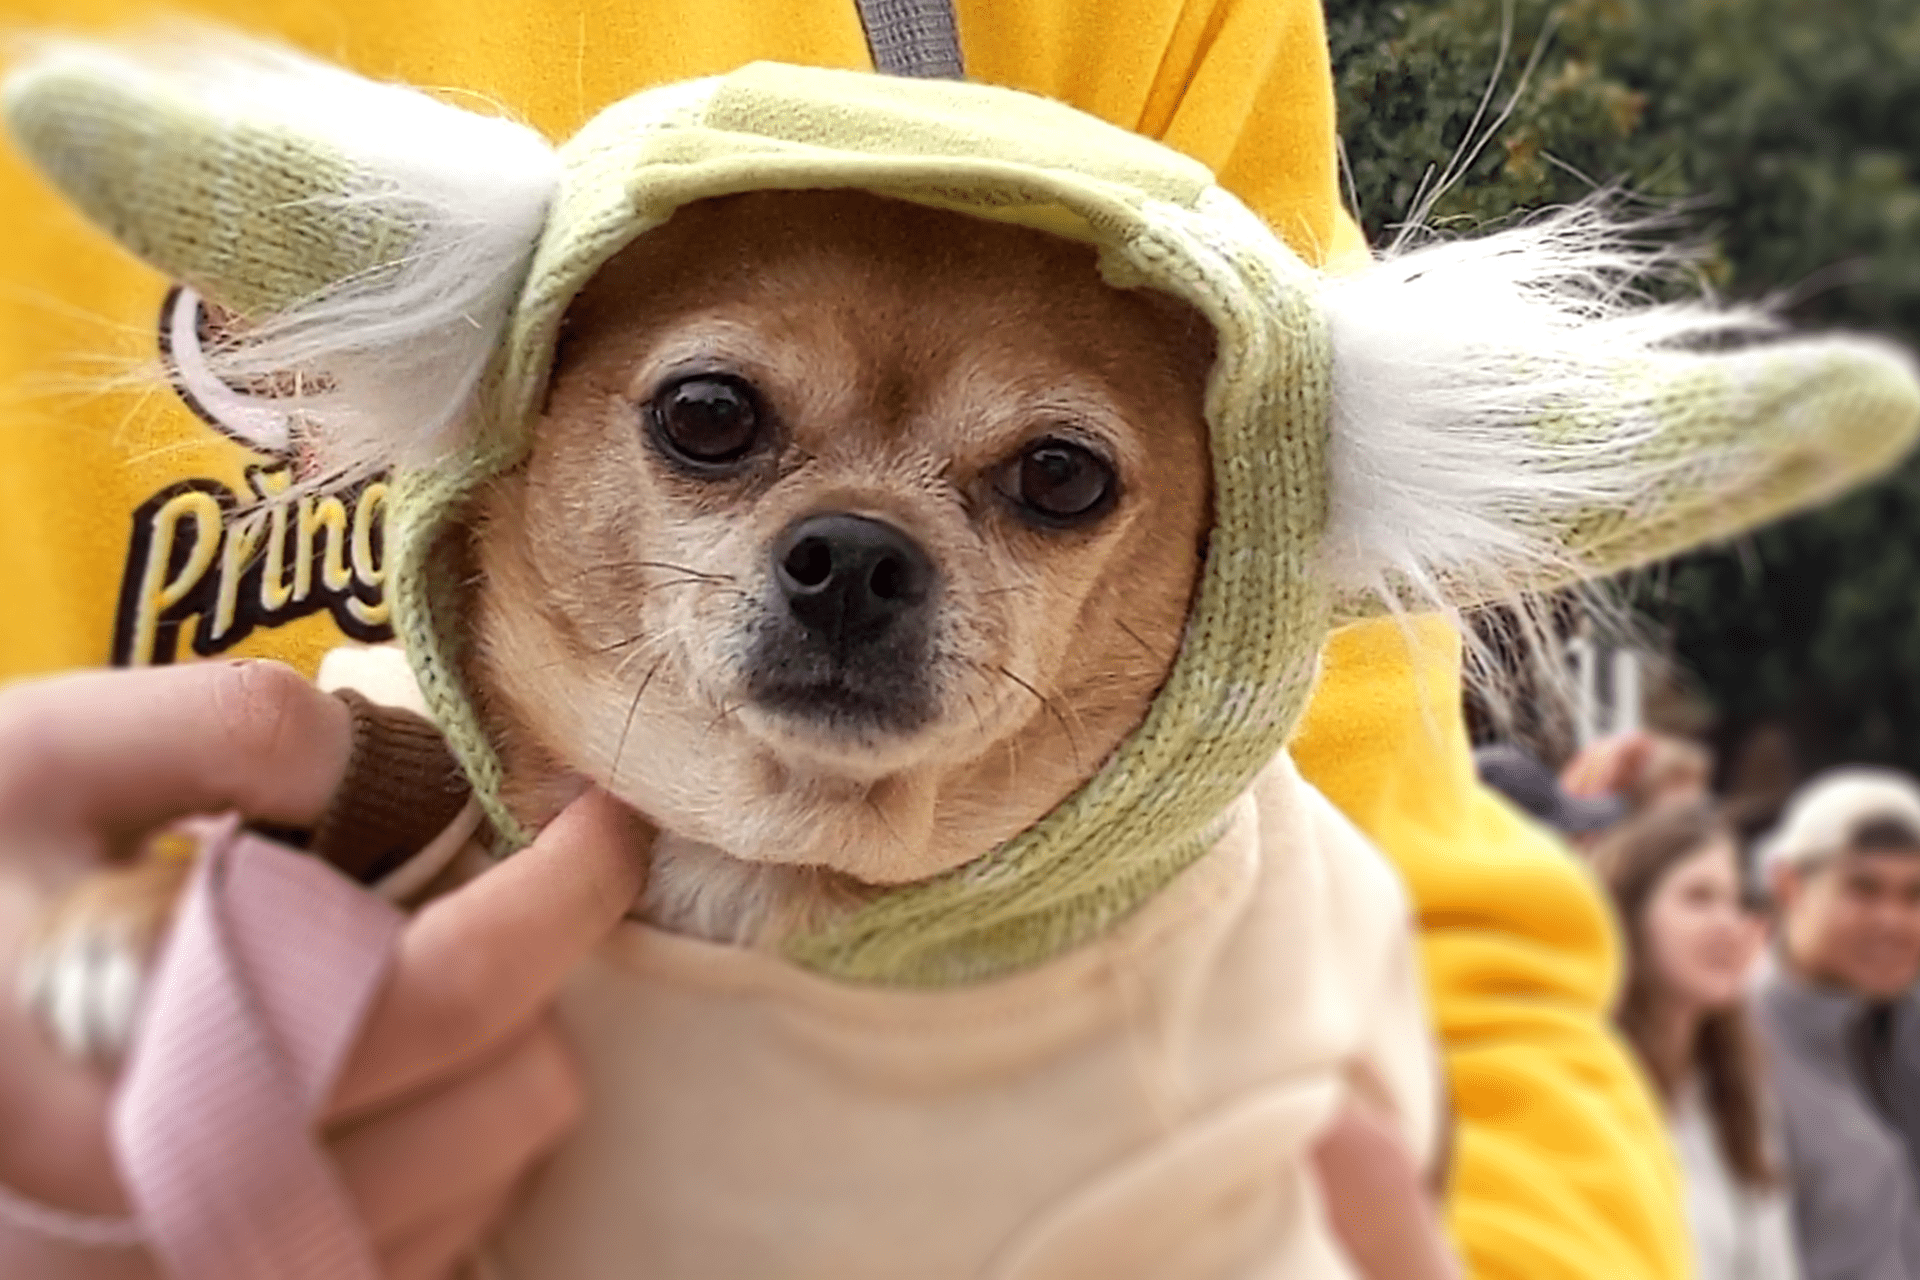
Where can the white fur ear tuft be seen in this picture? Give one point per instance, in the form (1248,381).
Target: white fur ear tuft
(1478,408)
(404,225)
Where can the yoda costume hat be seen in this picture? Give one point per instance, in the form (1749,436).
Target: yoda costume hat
(1447,426)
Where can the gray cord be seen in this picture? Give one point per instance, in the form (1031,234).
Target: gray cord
(913,38)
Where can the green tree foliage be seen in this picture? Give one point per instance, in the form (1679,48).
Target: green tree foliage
(1789,131)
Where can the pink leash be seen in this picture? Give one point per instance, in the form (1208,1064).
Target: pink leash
(273,962)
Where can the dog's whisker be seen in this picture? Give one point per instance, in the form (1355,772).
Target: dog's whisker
(688,570)
(684,582)
(979,721)
(874,806)
(637,655)
(1073,739)
(1134,636)
(617,645)
(632,707)
(716,588)
(607,566)
(642,646)
(688,575)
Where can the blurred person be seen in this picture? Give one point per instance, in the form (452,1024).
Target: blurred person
(1838,1011)
(1673,872)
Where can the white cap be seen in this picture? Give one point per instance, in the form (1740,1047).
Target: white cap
(1827,813)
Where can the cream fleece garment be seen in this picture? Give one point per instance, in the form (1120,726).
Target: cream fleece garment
(1140,1107)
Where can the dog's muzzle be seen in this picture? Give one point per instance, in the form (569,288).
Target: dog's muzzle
(845,641)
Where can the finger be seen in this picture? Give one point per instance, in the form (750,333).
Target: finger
(478,964)
(120,752)
(1634,756)
(415,1164)
(437,1251)
(1596,771)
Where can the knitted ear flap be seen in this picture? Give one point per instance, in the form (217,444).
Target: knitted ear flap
(1507,418)
(369,236)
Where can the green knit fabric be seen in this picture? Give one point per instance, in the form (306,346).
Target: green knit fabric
(1716,480)
(1728,442)
(253,218)
(253,215)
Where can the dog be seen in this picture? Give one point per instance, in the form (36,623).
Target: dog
(854,537)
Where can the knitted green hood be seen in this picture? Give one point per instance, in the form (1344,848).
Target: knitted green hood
(1450,426)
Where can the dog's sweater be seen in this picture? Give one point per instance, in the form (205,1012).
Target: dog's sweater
(1140,1107)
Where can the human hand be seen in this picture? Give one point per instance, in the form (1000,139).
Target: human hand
(1607,766)
(1378,1203)
(458,1080)
(1647,767)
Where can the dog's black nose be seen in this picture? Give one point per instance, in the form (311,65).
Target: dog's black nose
(849,578)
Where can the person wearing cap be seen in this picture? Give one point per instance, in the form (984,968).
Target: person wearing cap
(1528,782)
(1840,1015)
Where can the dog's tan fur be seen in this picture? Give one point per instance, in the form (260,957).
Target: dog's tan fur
(908,356)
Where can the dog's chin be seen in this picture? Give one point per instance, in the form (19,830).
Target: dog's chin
(878,831)
(837,732)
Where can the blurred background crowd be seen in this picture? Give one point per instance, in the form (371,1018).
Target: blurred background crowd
(1769,995)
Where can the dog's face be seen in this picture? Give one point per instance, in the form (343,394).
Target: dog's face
(856,534)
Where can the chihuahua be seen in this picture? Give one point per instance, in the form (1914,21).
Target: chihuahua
(854,537)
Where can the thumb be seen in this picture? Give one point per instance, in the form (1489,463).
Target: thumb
(475,967)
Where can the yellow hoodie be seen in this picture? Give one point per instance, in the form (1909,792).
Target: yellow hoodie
(118,539)
(1562,1165)
(114,525)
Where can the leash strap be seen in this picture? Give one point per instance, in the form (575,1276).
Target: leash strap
(259,993)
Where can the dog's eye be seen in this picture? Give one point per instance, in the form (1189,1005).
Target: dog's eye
(706,420)
(1061,482)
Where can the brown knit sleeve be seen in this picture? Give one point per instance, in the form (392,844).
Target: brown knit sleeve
(402,789)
